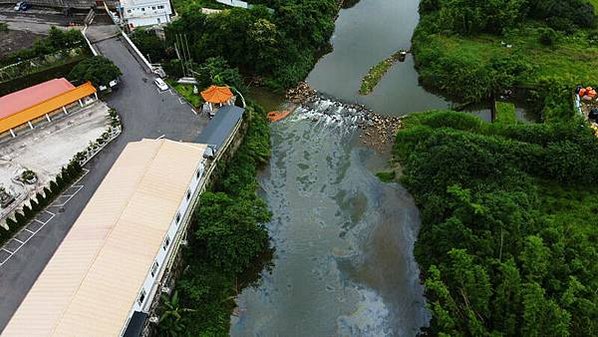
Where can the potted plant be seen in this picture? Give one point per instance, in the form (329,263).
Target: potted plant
(29,177)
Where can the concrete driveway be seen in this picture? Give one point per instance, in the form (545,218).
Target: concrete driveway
(145,113)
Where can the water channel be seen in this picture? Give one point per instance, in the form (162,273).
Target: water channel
(344,262)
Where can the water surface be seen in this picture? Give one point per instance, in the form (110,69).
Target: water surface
(344,240)
(365,35)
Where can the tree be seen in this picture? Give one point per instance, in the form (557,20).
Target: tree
(97,69)
(149,44)
(170,323)
(216,70)
(231,231)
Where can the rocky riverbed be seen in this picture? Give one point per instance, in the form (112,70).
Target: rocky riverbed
(378,131)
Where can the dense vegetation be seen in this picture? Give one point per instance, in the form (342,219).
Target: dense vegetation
(472,50)
(277,47)
(229,237)
(57,41)
(509,211)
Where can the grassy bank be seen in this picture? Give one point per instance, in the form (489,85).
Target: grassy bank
(228,244)
(505,113)
(375,74)
(474,67)
(507,243)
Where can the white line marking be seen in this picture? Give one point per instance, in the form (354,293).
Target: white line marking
(160,137)
(52,215)
(194,112)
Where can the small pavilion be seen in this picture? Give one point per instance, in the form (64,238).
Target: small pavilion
(216,95)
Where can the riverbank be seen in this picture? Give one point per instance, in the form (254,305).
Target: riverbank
(478,184)
(532,57)
(228,243)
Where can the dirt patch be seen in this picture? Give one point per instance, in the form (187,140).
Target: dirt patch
(15,40)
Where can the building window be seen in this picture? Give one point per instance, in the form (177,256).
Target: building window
(153,7)
(143,9)
(160,7)
(178,218)
(188,195)
(155,268)
(128,11)
(166,242)
(141,297)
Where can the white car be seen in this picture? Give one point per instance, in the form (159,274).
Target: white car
(161,84)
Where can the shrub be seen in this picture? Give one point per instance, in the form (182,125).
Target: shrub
(41,200)
(11,224)
(27,212)
(21,221)
(548,36)
(35,206)
(54,189)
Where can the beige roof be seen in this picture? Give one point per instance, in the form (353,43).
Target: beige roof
(93,280)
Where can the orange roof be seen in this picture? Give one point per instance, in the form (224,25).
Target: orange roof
(17,101)
(46,106)
(216,94)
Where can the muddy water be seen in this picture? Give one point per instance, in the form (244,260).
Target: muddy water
(344,262)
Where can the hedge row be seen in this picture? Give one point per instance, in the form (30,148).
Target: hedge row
(63,180)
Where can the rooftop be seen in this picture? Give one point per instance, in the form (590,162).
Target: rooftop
(26,98)
(40,108)
(93,280)
(221,126)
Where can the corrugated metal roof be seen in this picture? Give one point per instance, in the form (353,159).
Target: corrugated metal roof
(47,106)
(93,280)
(26,98)
(221,126)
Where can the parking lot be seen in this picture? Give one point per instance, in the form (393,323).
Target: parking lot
(43,218)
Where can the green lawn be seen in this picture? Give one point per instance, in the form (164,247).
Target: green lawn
(572,60)
(186,90)
(505,113)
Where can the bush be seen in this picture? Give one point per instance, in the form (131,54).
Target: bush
(548,36)
(11,224)
(41,200)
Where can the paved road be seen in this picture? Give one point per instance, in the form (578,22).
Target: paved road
(145,114)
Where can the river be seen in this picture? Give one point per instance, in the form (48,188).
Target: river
(343,264)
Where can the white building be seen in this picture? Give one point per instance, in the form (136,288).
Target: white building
(110,267)
(138,13)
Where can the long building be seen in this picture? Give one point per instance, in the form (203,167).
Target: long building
(110,267)
(25,107)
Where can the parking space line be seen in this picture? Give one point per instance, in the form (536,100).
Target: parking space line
(17,240)
(30,231)
(43,223)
